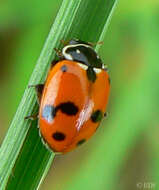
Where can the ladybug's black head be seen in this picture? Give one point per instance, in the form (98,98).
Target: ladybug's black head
(77,50)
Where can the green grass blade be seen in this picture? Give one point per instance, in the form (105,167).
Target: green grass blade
(24,159)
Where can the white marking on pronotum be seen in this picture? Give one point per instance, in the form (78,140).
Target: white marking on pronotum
(67,55)
(85,67)
(78,51)
(97,70)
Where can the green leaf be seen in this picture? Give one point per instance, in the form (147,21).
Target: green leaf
(24,159)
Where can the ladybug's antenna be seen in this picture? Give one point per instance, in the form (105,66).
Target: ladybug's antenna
(95,43)
(63,42)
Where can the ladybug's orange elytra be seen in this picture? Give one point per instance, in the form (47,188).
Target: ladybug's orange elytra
(74,97)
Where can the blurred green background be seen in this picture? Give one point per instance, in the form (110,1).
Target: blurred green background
(127,141)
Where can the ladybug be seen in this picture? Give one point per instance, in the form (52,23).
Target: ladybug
(74,97)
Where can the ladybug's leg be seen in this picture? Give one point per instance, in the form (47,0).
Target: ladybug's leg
(105,68)
(32,117)
(106,114)
(39,89)
(59,53)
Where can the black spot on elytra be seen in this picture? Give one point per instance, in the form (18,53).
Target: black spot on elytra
(81,142)
(68,108)
(49,113)
(96,116)
(58,136)
(91,74)
(64,68)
